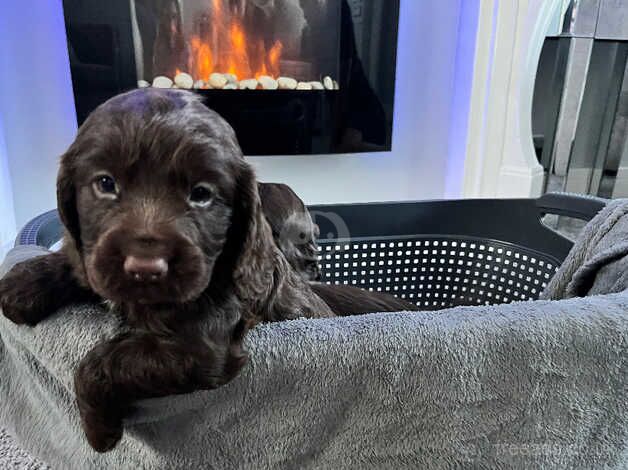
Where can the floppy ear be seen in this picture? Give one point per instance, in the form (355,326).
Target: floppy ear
(262,277)
(66,199)
(255,257)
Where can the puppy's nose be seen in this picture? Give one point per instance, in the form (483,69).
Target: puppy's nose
(145,269)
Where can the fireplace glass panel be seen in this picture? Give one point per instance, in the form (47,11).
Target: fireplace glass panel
(246,39)
(291,76)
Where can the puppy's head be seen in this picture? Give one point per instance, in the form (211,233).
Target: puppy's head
(293,229)
(156,196)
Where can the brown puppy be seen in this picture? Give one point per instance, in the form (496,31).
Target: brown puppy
(295,234)
(293,229)
(163,219)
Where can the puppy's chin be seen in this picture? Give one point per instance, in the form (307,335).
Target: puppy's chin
(189,273)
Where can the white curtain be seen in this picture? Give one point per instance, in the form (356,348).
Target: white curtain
(7,212)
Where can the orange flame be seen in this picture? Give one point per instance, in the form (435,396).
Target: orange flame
(203,64)
(237,58)
(229,48)
(238,38)
(274,56)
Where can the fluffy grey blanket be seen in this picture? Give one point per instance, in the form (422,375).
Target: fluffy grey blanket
(598,262)
(527,385)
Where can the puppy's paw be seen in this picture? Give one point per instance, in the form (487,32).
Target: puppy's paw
(101,432)
(101,415)
(35,288)
(20,301)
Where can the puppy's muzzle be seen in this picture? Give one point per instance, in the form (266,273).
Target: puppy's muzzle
(157,266)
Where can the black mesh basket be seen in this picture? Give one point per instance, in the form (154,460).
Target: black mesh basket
(440,254)
(436,254)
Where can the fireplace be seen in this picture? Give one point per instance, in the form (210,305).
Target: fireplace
(291,76)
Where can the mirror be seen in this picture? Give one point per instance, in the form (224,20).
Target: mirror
(580,107)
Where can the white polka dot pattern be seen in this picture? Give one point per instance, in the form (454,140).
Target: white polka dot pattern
(441,272)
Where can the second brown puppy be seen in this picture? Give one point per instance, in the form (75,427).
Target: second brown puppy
(295,234)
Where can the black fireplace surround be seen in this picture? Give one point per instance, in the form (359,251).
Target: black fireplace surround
(340,54)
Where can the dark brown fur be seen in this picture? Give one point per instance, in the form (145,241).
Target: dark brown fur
(293,229)
(346,300)
(295,234)
(184,332)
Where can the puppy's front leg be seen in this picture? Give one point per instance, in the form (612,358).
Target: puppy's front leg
(36,288)
(139,365)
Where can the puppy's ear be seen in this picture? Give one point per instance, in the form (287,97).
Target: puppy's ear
(66,199)
(254,261)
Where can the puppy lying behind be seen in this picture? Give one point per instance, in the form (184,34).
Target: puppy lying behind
(293,229)
(163,219)
(346,300)
(295,233)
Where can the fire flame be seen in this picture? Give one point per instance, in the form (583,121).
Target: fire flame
(229,48)
(202,57)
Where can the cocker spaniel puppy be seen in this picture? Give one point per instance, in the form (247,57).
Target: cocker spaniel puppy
(296,234)
(163,219)
(293,229)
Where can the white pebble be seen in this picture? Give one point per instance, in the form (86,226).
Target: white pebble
(329,83)
(231,78)
(230,86)
(317,86)
(250,84)
(142,84)
(304,86)
(199,84)
(287,83)
(162,82)
(268,83)
(184,80)
(217,80)
(336,86)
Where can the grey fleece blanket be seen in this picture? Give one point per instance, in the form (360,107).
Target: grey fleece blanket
(598,262)
(527,385)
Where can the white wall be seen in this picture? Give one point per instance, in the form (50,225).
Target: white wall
(8,227)
(36,101)
(434,72)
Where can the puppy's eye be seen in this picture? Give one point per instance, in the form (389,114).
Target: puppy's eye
(201,195)
(105,186)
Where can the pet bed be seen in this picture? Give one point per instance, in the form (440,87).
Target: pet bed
(527,384)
